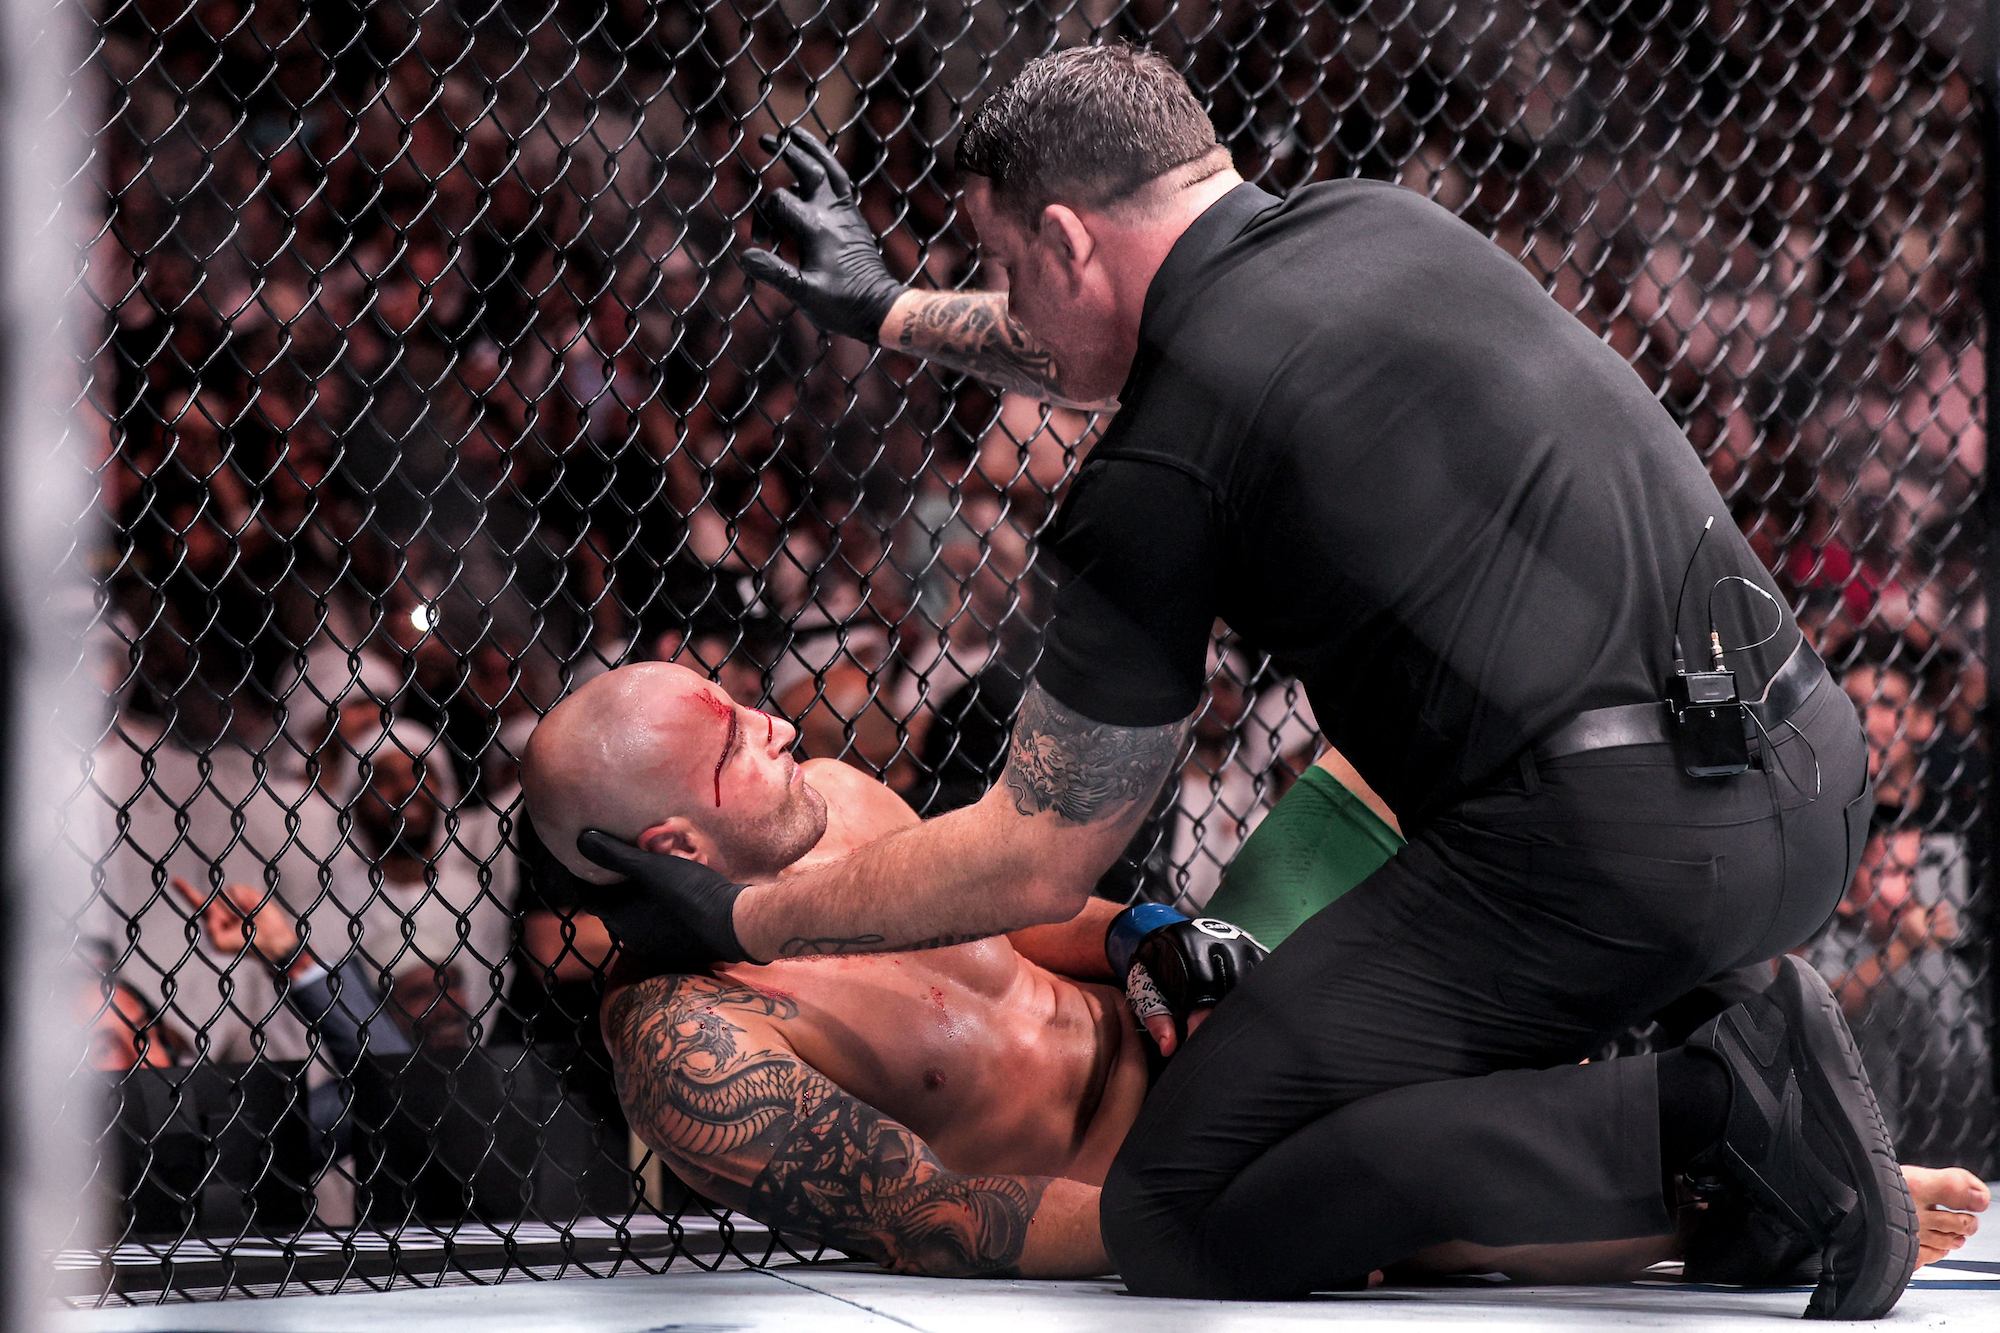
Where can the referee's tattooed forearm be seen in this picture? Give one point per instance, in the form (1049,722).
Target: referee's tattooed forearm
(1082,770)
(972,332)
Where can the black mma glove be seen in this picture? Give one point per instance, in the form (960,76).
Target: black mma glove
(841,281)
(666,889)
(1174,966)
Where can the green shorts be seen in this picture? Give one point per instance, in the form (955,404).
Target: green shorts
(1315,845)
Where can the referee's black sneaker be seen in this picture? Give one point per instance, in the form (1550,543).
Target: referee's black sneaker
(1805,1143)
(1730,1243)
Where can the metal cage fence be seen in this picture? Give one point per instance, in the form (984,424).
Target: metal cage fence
(424,385)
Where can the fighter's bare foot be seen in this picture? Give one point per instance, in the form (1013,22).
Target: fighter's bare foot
(1945,1203)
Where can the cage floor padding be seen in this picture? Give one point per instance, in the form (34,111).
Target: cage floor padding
(1962,1292)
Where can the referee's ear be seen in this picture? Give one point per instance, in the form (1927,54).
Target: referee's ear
(1070,242)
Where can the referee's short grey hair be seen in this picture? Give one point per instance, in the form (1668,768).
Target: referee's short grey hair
(1089,126)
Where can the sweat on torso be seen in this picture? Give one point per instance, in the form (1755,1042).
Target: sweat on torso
(999,1064)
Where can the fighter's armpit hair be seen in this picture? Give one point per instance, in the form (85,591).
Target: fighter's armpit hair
(1082,770)
(753,1127)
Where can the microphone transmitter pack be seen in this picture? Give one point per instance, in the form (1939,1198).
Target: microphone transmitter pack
(1711,731)
(1711,725)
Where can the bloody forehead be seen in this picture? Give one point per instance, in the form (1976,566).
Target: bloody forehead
(724,712)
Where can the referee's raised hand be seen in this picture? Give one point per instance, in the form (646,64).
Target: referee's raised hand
(840,281)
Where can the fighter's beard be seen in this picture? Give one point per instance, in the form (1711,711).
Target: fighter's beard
(759,848)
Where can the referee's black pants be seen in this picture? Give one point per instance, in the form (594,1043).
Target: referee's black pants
(1403,1070)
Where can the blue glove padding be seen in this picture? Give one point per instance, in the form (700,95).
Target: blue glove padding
(683,892)
(1191,964)
(1129,927)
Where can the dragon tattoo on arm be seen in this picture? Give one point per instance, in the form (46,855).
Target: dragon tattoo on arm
(709,1084)
(1085,771)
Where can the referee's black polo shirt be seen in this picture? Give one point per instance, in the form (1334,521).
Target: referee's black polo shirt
(1361,434)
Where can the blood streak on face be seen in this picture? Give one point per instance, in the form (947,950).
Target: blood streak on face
(728,716)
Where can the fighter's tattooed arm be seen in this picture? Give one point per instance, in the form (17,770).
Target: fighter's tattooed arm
(709,1084)
(1082,770)
(972,332)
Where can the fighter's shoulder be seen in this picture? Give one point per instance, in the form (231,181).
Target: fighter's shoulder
(859,802)
(694,1002)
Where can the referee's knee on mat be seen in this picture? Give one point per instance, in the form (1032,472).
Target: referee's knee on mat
(1139,1232)
(1153,1240)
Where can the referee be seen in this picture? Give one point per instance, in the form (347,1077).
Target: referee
(1362,435)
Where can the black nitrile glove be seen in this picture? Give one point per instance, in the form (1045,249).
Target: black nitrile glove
(841,281)
(684,892)
(652,939)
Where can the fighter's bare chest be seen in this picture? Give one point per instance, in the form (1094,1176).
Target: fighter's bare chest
(938,1046)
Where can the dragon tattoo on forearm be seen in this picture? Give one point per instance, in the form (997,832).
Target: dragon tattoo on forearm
(1082,770)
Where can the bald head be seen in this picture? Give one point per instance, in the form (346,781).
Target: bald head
(655,750)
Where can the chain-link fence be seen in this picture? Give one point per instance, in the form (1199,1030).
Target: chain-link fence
(424,386)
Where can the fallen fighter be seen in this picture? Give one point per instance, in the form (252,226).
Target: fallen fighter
(950,1112)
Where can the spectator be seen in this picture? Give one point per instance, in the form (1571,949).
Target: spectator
(842,715)
(1898,725)
(340,1008)
(187,798)
(1914,1002)
(425,885)
(1029,455)
(1955,763)
(125,1031)
(965,745)
(564,955)
(1216,802)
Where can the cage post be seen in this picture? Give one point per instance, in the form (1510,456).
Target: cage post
(1986,51)
(41,589)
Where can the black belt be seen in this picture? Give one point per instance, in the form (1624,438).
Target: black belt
(1651,724)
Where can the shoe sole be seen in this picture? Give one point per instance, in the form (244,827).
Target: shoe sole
(1875,1254)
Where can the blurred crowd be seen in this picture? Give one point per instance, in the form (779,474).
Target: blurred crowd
(425,387)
